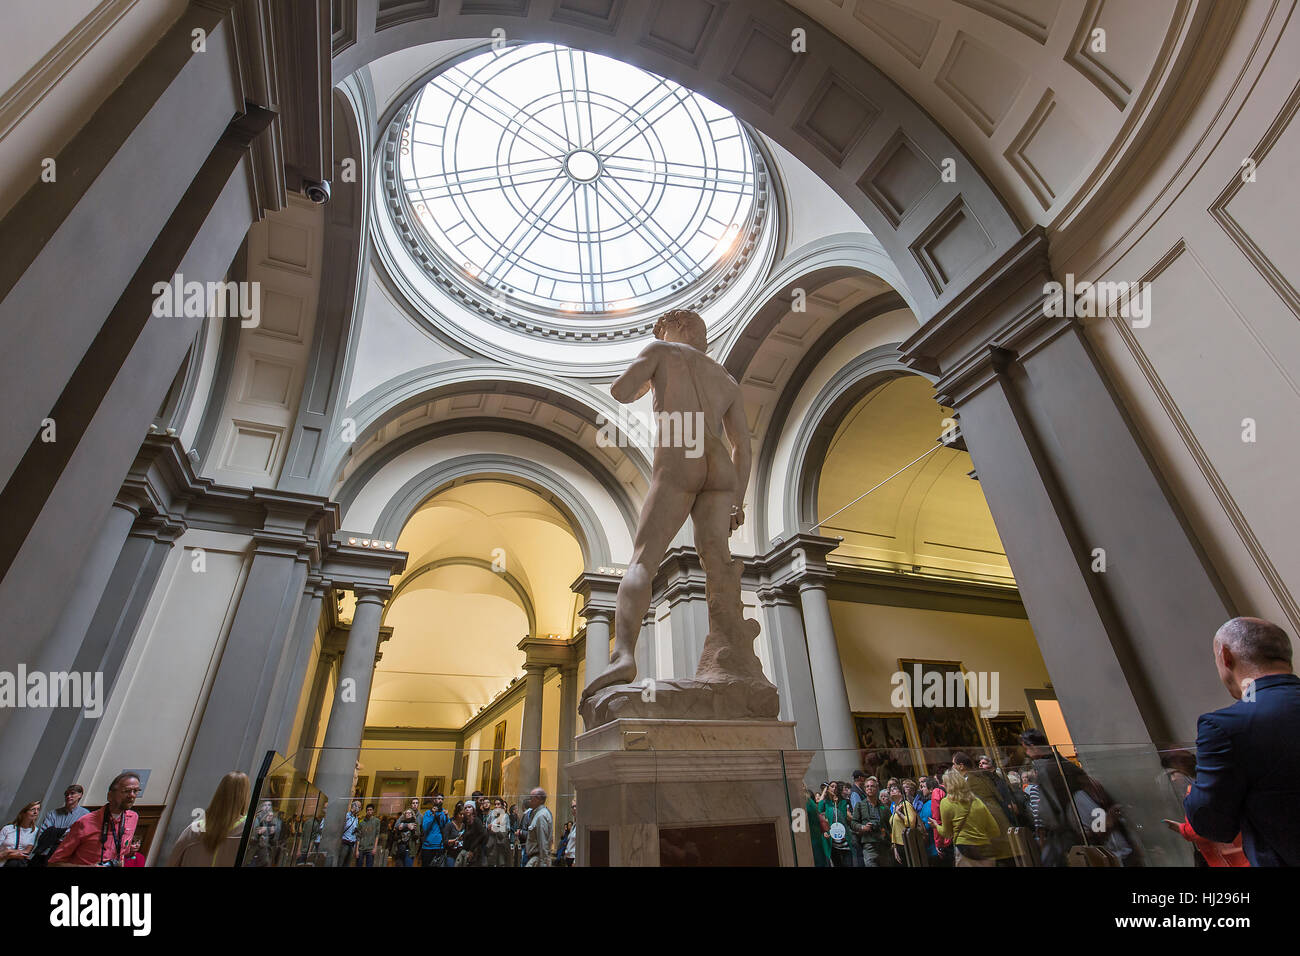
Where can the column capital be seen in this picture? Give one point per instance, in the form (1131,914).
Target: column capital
(771,595)
(680,576)
(372,594)
(1009,310)
(799,557)
(594,613)
(598,590)
(161,528)
(543,652)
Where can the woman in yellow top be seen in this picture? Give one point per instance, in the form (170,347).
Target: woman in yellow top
(967,822)
(904,815)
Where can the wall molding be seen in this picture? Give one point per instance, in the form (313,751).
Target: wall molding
(24,96)
(1236,517)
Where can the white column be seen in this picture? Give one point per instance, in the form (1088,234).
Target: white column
(347,723)
(838,735)
(530,737)
(598,623)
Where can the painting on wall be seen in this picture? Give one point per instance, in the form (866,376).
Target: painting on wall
(361,788)
(1004,731)
(883,747)
(432,785)
(498,757)
(940,731)
(485,777)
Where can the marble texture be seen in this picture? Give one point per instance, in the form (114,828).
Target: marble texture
(633,776)
(700,472)
(720,698)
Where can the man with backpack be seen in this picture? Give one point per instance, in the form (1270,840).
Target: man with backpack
(56,824)
(433,849)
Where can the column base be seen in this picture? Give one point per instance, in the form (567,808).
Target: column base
(655,792)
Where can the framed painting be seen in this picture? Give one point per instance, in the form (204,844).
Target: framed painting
(432,785)
(883,747)
(361,788)
(943,718)
(498,756)
(485,777)
(1004,731)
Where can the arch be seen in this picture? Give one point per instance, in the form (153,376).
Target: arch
(400,394)
(525,602)
(558,492)
(839,114)
(855,317)
(841,393)
(812,266)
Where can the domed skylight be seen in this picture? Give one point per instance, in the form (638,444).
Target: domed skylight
(568,182)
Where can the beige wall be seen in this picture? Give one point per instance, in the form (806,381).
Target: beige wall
(873,637)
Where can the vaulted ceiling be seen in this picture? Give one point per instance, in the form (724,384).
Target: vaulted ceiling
(489,563)
(1027,88)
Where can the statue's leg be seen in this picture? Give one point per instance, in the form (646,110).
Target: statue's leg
(711,517)
(729,648)
(663,513)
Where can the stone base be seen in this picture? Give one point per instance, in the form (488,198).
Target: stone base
(731,698)
(655,792)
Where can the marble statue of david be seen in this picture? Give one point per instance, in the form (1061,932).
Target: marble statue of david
(705,480)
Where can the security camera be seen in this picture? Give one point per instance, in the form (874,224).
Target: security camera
(319,193)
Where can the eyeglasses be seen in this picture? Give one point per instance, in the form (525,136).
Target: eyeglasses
(129,790)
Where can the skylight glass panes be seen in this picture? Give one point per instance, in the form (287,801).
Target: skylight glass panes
(572,182)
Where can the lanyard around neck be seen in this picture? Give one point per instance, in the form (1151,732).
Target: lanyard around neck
(117,832)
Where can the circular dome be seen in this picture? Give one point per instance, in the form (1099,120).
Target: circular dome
(565,184)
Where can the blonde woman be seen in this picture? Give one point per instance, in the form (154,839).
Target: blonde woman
(967,822)
(18,839)
(904,816)
(213,839)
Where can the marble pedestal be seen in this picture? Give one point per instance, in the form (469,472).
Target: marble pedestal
(654,792)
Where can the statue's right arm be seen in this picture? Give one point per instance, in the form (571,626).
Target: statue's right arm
(636,381)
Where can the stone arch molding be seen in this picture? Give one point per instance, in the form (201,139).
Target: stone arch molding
(809,268)
(829,106)
(520,591)
(845,388)
(582,518)
(393,398)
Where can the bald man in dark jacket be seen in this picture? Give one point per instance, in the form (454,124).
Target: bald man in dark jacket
(1248,754)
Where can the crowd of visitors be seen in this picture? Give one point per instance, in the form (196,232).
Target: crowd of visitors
(478,831)
(969,813)
(1040,809)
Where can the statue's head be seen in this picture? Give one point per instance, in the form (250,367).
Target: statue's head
(684,326)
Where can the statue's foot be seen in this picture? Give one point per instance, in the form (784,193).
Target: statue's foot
(621,670)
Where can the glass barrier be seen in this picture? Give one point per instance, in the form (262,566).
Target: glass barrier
(632,803)
(1102,805)
(286,818)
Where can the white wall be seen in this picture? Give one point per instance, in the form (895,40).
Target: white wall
(154,711)
(59,61)
(1223,344)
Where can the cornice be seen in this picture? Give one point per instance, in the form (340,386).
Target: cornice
(1003,310)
